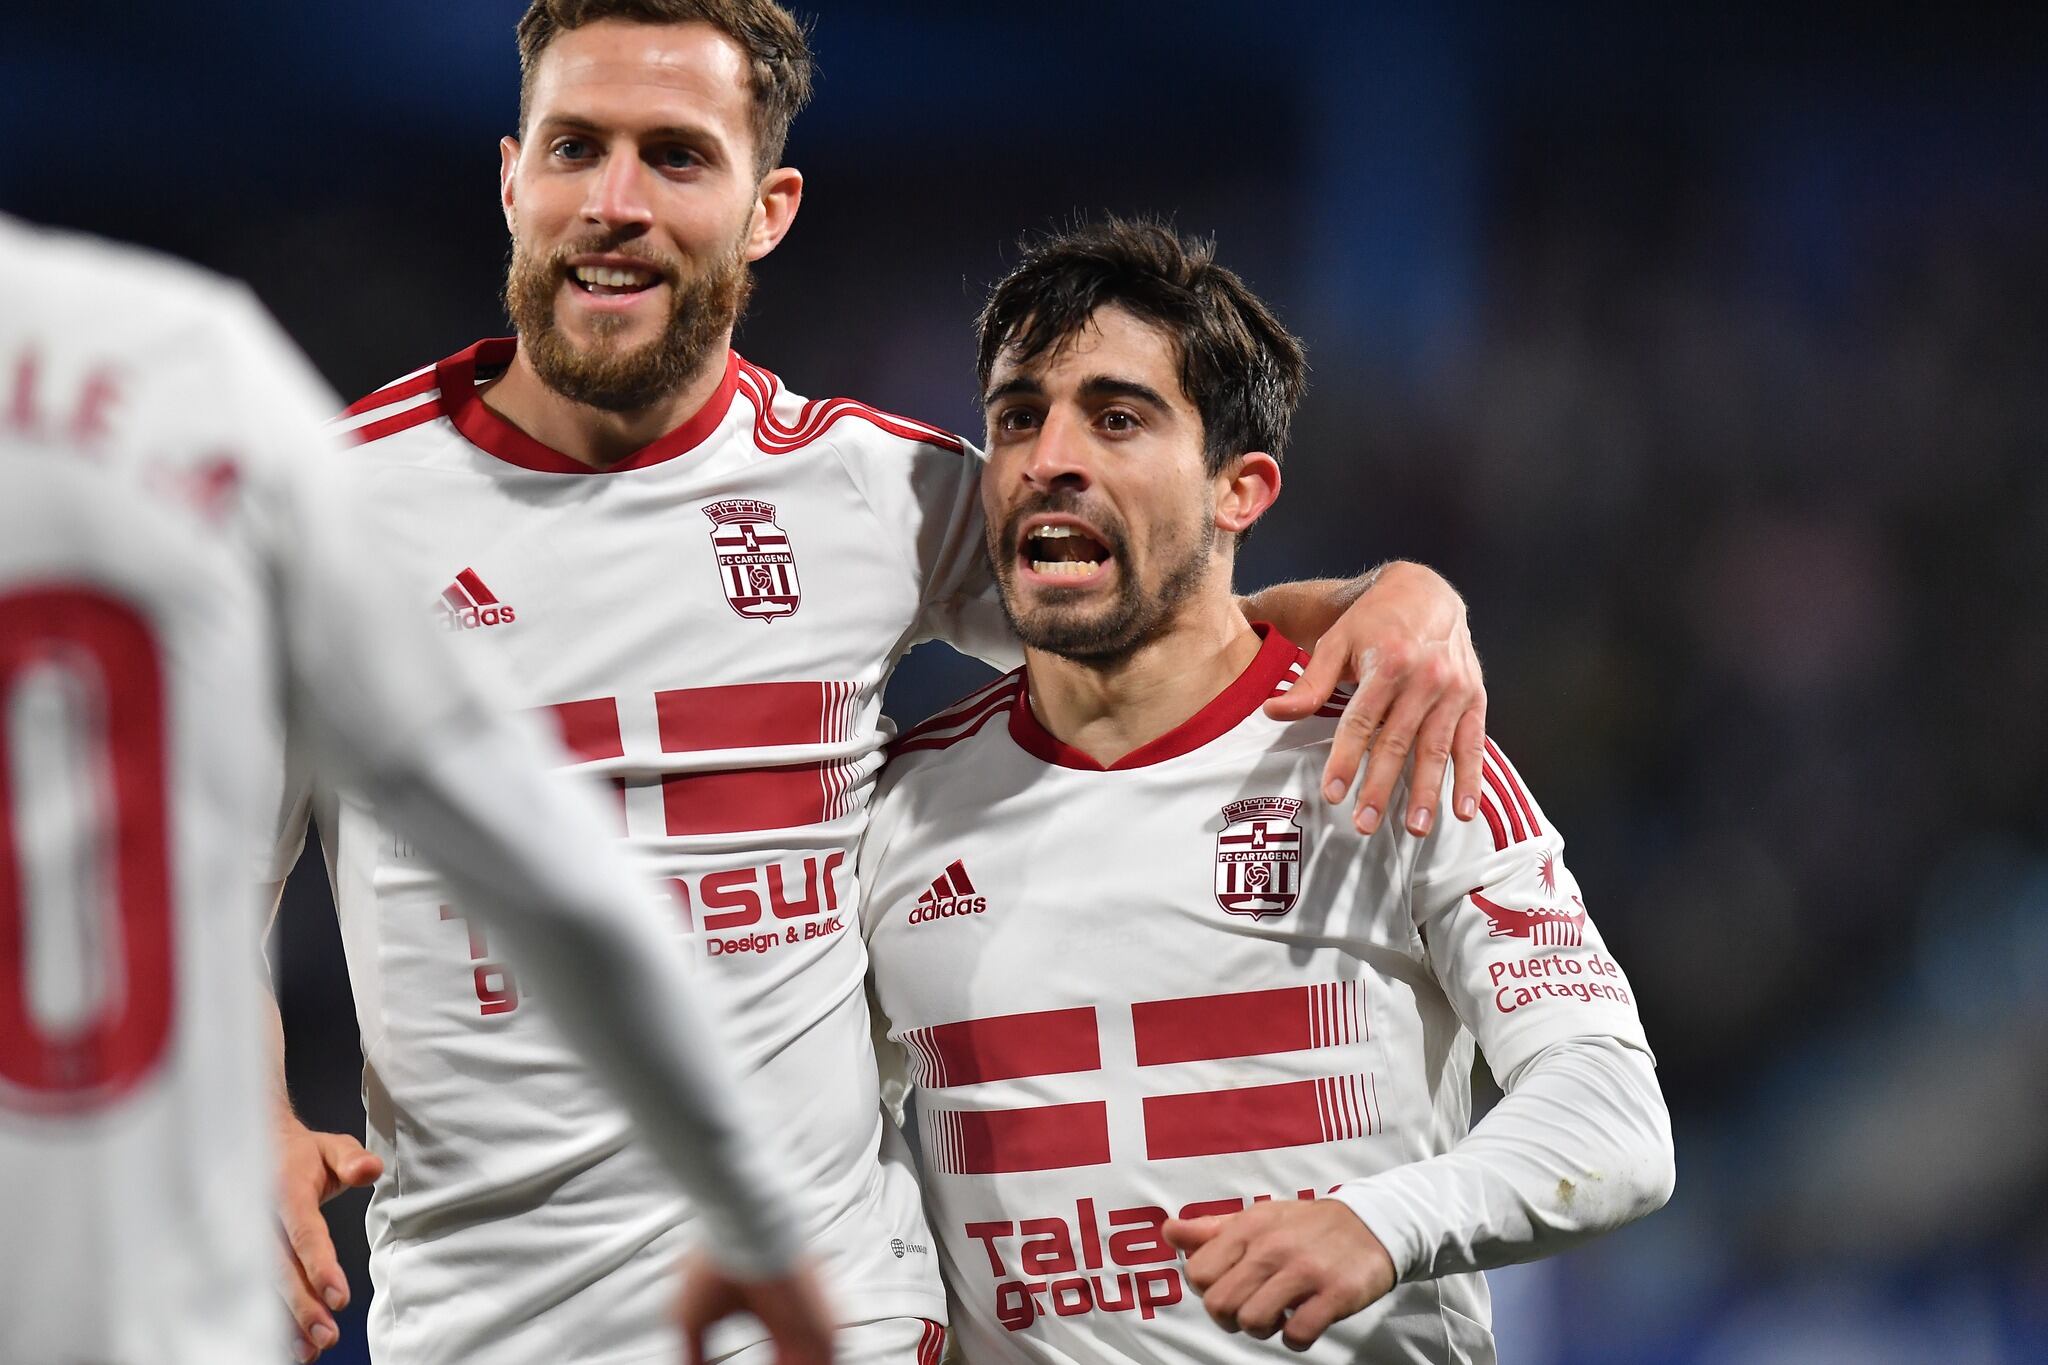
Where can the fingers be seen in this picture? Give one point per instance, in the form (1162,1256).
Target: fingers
(1353,736)
(1468,754)
(1265,1310)
(792,1308)
(315,1329)
(1188,1235)
(313,1255)
(349,1164)
(1325,669)
(1390,749)
(798,1319)
(1228,1292)
(706,1297)
(1311,1319)
(1432,756)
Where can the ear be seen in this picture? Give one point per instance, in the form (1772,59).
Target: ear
(508,158)
(1245,488)
(781,191)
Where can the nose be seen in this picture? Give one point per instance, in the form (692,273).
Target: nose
(1061,456)
(618,194)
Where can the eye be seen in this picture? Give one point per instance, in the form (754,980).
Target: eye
(677,159)
(570,149)
(1119,420)
(1016,419)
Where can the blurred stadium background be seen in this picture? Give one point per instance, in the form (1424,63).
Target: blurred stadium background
(1707,355)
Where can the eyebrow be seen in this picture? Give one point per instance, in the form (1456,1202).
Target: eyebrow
(1095,386)
(674,132)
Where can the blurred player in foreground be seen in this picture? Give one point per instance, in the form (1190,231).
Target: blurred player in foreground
(706,581)
(175,567)
(1143,976)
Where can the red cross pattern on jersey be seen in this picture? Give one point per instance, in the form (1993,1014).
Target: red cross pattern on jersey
(1258,857)
(756,566)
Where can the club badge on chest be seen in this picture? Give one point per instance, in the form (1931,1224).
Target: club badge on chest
(1258,857)
(756,564)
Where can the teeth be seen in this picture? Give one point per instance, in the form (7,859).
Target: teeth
(1069,568)
(611,276)
(1054,533)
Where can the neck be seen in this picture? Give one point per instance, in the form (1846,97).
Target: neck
(595,436)
(1110,708)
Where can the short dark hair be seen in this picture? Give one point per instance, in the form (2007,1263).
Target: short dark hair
(1240,368)
(773,39)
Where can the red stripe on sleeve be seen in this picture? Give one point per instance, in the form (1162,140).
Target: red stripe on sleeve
(1514,780)
(1055,1137)
(739,800)
(391,426)
(1493,820)
(742,716)
(423,382)
(1006,1047)
(1507,803)
(1209,1026)
(1252,1119)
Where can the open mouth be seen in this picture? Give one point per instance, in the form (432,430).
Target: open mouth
(613,281)
(1065,552)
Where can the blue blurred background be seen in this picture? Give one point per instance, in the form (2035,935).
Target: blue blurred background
(1708,354)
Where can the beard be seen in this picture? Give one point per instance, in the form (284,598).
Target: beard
(704,307)
(1101,634)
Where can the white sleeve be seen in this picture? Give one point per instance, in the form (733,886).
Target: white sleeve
(384,704)
(933,495)
(1580,1146)
(1582,1142)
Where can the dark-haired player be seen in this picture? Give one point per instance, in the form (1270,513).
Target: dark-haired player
(1186,1008)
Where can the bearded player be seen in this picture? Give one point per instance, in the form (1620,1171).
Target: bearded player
(172,570)
(1155,996)
(705,582)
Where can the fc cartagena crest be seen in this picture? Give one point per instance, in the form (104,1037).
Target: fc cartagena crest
(756,566)
(1258,857)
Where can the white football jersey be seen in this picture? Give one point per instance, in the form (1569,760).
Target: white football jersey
(710,624)
(1183,983)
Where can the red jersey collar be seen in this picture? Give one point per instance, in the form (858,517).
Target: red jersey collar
(493,435)
(1277,654)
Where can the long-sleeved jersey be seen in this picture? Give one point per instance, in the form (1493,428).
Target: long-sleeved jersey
(1183,983)
(178,569)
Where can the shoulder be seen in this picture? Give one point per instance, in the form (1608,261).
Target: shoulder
(59,266)
(964,719)
(784,422)
(925,755)
(148,315)
(407,402)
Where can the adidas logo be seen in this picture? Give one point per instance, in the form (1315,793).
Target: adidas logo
(467,604)
(950,895)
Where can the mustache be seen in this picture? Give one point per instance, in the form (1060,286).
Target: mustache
(1072,503)
(557,261)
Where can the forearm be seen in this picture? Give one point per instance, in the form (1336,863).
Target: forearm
(1580,1146)
(272,1022)
(1304,609)
(612,974)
